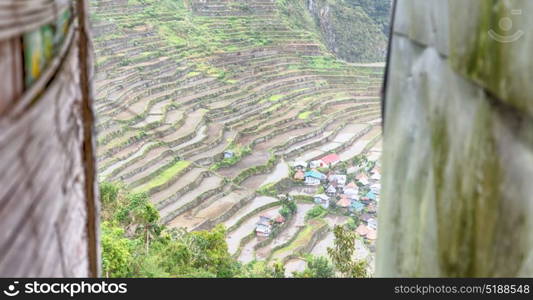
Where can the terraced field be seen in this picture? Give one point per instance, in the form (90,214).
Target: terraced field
(181,83)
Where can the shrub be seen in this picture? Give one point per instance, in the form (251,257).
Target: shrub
(288,208)
(352,223)
(316,212)
(317,267)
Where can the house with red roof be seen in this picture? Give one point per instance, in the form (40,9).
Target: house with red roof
(344,202)
(329,160)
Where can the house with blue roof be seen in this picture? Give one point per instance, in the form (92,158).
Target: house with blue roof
(357,206)
(314,177)
(371,196)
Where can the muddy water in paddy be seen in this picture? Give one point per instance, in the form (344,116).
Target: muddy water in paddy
(359,145)
(280,171)
(247,252)
(283,138)
(254,204)
(217,149)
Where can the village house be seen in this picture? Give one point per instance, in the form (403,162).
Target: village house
(279,219)
(370,196)
(228,154)
(372,234)
(263,228)
(329,161)
(372,223)
(366,232)
(344,202)
(300,165)
(356,206)
(314,177)
(299,175)
(375,188)
(314,164)
(338,181)
(322,200)
(351,191)
(362,230)
(331,191)
(362,178)
(371,208)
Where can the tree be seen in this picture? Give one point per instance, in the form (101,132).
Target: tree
(135,245)
(315,212)
(317,267)
(278,270)
(342,254)
(116,251)
(288,208)
(210,252)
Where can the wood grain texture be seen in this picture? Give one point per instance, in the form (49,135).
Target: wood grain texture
(43,177)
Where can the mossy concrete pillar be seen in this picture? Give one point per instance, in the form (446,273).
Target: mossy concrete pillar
(457,195)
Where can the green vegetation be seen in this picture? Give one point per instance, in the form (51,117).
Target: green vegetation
(342,252)
(356,30)
(302,239)
(316,212)
(317,267)
(304,115)
(268,190)
(275,98)
(288,208)
(323,62)
(191,61)
(163,177)
(238,151)
(379,11)
(135,245)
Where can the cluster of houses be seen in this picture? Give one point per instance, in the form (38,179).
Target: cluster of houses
(359,196)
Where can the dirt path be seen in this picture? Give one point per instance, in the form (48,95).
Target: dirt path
(280,171)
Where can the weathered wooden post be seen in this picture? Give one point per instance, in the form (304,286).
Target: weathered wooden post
(48,195)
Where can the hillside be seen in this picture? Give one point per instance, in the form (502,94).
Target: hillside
(202,106)
(354,30)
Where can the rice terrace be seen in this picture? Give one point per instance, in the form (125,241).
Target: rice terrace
(228,112)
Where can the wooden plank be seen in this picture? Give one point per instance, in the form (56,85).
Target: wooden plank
(11,80)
